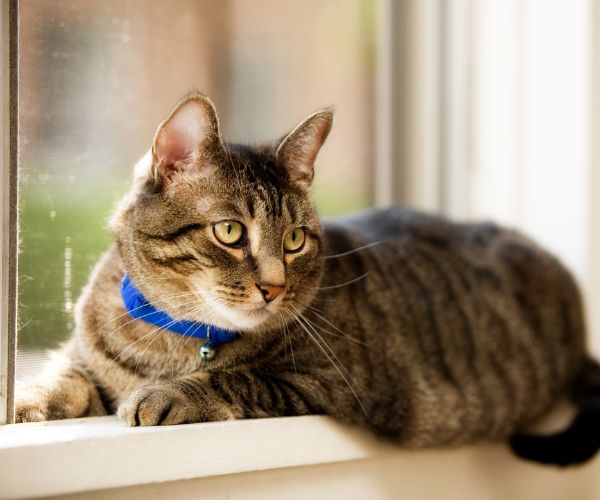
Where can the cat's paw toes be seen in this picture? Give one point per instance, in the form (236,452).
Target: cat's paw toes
(167,405)
(26,411)
(156,406)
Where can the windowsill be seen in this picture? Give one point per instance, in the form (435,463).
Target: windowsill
(51,458)
(102,453)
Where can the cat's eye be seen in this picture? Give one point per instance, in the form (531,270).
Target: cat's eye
(228,232)
(294,240)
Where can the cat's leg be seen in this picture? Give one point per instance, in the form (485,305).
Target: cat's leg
(62,391)
(205,398)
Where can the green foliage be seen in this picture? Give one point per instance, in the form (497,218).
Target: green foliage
(62,234)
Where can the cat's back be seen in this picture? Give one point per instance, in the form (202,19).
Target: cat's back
(484,247)
(405,251)
(476,315)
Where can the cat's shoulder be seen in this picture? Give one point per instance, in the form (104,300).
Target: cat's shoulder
(392,221)
(395,223)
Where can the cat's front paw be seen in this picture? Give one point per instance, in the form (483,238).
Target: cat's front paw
(167,404)
(31,409)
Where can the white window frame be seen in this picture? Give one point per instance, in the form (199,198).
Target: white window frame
(8,210)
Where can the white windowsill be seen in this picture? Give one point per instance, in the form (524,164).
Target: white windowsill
(50,458)
(83,455)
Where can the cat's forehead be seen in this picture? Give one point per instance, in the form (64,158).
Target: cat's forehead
(254,166)
(252,185)
(254,202)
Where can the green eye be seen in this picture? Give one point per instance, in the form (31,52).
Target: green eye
(294,240)
(228,232)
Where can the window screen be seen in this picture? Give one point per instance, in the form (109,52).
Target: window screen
(96,78)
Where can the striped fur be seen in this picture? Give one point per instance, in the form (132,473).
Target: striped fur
(429,332)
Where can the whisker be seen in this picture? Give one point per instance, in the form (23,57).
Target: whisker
(144,351)
(235,169)
(311,325)
(349,252)
(176,295)
(159,329)
(280,318)
(185,338)
(206,318)
(343,334)
(346,283)
(289,334)
(318,179)
(169,308)
(299,317)
(107,336)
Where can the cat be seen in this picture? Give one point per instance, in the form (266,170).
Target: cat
(224,296)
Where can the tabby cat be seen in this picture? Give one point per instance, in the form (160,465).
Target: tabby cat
(225,297)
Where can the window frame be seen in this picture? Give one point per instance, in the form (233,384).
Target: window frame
(9,208)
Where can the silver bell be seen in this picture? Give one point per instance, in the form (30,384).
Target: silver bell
(207,352)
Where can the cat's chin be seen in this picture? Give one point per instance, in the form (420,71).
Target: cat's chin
(246,320)
(234,318)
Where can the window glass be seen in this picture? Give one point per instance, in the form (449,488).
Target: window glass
(96,78)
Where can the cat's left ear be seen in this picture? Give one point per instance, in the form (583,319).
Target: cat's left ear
(298,150)
(190,132)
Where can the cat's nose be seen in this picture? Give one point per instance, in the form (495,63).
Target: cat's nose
(270,291)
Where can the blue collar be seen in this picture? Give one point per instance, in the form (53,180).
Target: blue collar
(139,308)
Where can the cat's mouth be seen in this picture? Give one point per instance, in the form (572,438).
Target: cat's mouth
(252,307)
(238,317)
(247,317)
(254,310)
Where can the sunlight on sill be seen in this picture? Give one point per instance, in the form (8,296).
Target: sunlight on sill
(46,458)
(102,453)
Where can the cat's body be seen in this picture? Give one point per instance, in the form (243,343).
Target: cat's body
(429,332)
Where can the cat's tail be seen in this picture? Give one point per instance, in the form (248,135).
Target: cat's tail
(581,440)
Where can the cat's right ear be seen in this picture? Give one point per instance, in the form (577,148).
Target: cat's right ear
(298,150)
(189,134)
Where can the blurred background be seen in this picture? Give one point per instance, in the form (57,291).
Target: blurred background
(473,108)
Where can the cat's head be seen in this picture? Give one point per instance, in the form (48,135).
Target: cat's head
(219,233)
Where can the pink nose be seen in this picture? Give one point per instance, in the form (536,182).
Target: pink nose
(270,291)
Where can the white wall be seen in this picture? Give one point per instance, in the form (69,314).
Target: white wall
(517,129)
(531,135)
(593,254)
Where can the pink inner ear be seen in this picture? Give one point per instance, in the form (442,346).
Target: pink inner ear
(183,134)
(173,147)
(300,148)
